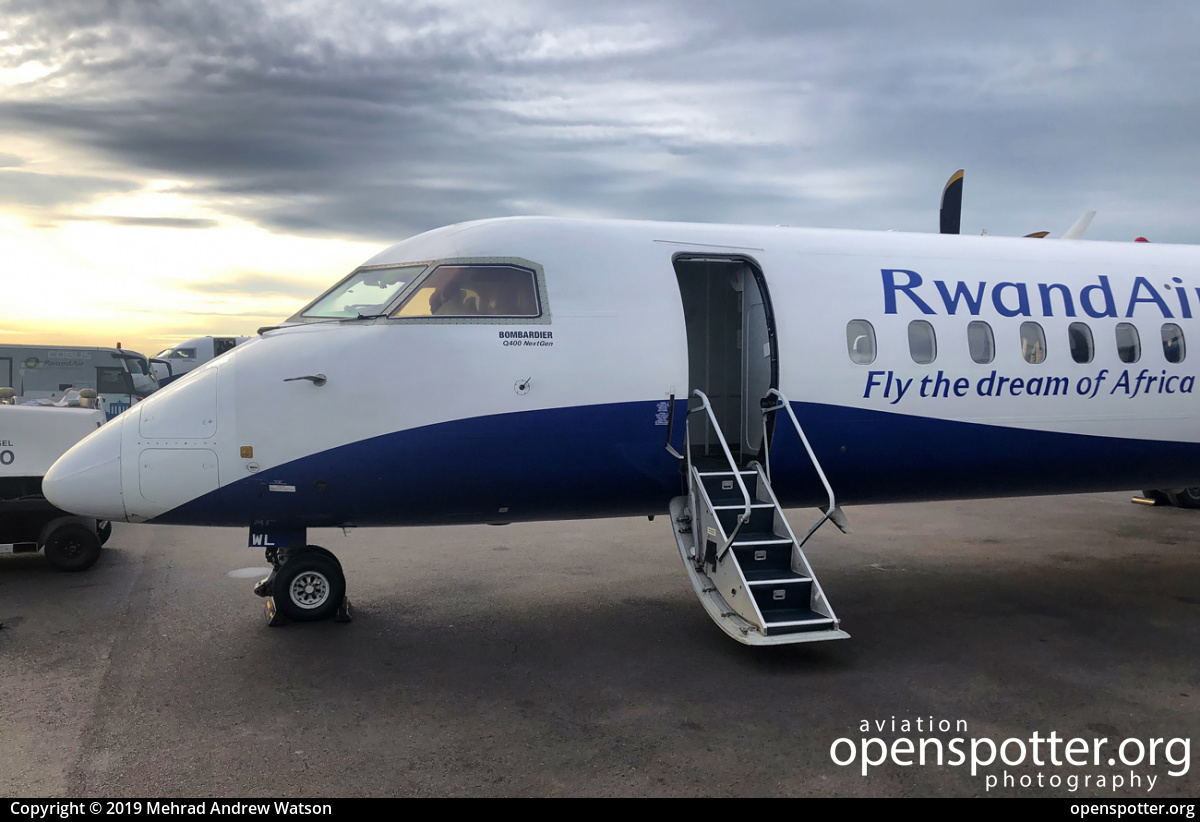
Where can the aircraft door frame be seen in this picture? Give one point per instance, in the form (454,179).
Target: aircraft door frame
(710,320)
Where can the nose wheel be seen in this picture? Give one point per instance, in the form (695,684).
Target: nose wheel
(307,585)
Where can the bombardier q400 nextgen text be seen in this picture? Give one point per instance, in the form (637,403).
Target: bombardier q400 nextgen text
(536,368)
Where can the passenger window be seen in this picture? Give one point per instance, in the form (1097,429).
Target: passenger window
(474,291)
(981,342)
(860,342)
(922,342)
(1083,347)
(1129,344)
(1173,346)
(1033,343)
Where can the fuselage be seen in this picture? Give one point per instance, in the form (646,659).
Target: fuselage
(425,419)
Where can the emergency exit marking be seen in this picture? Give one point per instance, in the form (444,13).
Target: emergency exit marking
(247,452)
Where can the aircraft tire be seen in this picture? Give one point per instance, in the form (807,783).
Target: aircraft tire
(325,552)
(1185,497)
(103,530)
(72,547)
(309,587)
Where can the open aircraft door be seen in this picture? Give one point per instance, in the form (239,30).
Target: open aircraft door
(732,356)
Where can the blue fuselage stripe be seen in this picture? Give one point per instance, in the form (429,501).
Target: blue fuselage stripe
(610,460)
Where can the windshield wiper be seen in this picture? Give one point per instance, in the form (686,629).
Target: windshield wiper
(267,328)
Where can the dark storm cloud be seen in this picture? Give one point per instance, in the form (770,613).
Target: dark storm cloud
(378,120)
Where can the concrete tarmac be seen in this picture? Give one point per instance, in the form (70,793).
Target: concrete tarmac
(573,659)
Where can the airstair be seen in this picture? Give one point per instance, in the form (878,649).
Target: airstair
(744,560)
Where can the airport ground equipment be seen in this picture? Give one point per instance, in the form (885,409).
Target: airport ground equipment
(45,373)
(31,439)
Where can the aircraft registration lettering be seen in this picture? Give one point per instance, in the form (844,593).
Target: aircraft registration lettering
(889,386)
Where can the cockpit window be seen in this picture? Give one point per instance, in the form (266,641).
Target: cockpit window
(474,291)
(366,292)
(182,354)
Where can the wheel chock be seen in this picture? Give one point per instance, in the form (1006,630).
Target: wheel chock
(1147,501)
(274,618)
(345,613)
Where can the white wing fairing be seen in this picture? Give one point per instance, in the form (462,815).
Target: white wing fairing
(530,368)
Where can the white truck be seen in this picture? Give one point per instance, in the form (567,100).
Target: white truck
(31,439)
(38,372)
(172,363)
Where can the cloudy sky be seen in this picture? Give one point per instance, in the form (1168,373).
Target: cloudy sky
(186,167)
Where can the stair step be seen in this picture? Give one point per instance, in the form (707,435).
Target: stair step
(760,538)
(771,559)
(723,490)
(801,627)
(762,519)
(771,576)
(742,507)
(781,598)
(796,619)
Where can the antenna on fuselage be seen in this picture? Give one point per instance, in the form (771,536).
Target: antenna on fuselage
(951,214)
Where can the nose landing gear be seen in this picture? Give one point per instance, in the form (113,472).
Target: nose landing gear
(306,585)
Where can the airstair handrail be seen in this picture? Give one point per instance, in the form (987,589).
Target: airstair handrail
(743,517)
(785,404)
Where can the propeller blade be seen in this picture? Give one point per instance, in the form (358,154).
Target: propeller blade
(951,214)
(1075,232)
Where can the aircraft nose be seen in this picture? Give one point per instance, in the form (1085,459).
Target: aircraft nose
(87,479)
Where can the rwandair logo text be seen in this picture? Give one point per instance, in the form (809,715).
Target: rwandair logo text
(1019,299)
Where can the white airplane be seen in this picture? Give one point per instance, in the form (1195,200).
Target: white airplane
(535,369)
